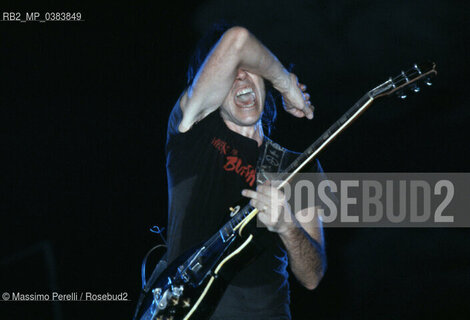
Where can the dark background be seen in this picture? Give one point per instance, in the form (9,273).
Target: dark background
(83,112)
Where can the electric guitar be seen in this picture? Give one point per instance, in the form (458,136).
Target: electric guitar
(192,285)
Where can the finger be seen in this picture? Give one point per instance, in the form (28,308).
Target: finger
(302,86)
(271,196)
(296,113)
(261,206)
(269,190)
(257,196)
(307,96)
(308,111)
(249,193)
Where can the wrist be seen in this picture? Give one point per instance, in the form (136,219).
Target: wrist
(288,230)
(283,81)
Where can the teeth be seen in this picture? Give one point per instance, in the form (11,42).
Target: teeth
(249,105)
(244,91)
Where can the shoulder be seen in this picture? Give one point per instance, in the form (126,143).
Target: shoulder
(176,117)
(210,124)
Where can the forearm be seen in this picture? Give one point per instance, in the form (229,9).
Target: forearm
(306,256)
(256,58)
(237,48)
(303,238)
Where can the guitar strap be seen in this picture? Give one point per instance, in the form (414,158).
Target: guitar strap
(146,286)
(272,159)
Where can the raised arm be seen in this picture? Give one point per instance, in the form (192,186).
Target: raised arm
(238,49)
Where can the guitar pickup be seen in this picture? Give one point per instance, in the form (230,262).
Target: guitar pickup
(195,267)
(183,274)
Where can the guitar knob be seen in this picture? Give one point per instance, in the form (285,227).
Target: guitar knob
(234,211)
(415,88)
(428,82)
(157,293)
(187,303)
(177,291)
(174,301)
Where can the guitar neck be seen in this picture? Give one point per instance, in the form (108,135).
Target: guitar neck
(397,84)
(332,132)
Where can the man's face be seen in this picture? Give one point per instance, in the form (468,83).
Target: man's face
(244,103)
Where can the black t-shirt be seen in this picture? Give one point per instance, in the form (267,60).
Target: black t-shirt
(207,168)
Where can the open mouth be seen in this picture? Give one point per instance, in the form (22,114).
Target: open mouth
(245,98)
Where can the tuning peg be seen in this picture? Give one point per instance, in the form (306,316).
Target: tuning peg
(401,94)
(428,82)
(415,88)
(417,69)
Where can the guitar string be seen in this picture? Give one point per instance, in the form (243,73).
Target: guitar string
(413,72)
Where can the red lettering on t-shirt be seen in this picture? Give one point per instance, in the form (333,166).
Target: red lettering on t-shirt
(235,163)
(220,145)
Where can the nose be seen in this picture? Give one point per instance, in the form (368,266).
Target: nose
(241,75)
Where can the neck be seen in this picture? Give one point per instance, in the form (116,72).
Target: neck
(254,132)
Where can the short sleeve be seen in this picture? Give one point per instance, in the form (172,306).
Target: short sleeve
(190,138)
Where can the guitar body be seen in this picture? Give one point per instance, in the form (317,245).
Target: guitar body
(192,285)
(176,307)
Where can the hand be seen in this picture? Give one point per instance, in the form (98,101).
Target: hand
(296,100)
(274,211)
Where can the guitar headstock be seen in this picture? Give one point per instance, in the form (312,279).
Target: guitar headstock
(406,81)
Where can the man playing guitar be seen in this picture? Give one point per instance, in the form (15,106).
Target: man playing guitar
(214,142)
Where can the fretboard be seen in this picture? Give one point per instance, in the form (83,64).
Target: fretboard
(314,149)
